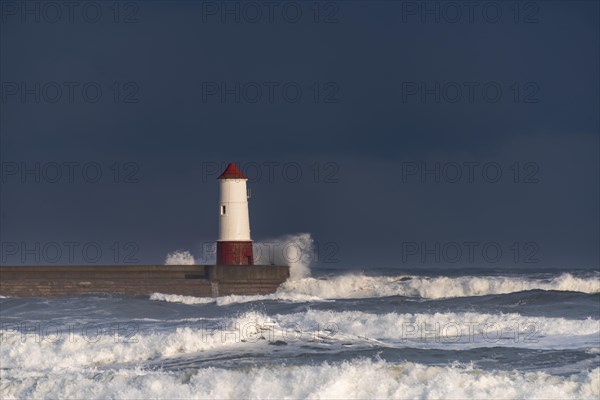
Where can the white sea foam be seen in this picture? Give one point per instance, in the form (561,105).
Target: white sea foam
(252,331)
(88,346)
(450,330)
(361,286)
(354,379)
(297,250)
(176,298)
(233,299)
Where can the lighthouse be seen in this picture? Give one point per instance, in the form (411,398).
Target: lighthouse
(234,274)
(234,246)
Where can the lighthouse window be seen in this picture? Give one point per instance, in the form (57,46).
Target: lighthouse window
(223,210)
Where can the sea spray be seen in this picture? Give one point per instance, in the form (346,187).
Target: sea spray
(180,257)
(295,250)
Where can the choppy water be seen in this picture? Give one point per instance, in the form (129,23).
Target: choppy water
(383,334)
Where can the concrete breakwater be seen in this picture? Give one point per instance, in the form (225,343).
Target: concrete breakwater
(141,280)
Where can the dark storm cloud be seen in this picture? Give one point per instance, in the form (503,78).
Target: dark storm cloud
(353,95)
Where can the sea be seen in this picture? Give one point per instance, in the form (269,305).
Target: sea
(327,333)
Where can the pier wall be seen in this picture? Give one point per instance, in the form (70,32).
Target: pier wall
(141,280)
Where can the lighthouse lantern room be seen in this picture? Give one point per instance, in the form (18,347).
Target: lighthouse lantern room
(234,246)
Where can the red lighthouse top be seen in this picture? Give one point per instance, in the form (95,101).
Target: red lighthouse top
(232,172)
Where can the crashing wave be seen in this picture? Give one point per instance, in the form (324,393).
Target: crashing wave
(353,379)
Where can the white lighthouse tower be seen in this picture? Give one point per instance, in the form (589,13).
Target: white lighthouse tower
(234,246)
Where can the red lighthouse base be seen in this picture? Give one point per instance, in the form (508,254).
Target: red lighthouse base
(235,253)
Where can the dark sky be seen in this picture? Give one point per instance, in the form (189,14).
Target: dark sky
(346,103)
